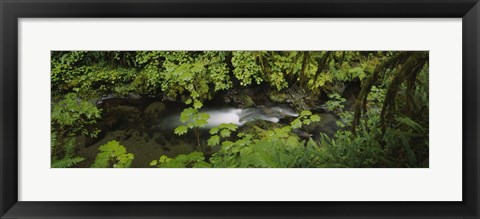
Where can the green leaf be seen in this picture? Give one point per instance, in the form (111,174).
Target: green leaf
(204,116)
(229,126)
(315,118)
(164,159)
(225,133)
(197,104)
(194,94)
(214,140)
(214,131)
(409,122)
(227,143)
(187,114)
(153,163)
(297,123)
(306,113)
(180,130)
(200,123)
(113,152)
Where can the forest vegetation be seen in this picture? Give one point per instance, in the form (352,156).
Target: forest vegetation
(299,109)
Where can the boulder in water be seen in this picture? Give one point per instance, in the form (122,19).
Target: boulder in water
(154,110)
(153,113)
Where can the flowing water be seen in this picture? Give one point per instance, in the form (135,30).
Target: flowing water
(146,127)
(239,117)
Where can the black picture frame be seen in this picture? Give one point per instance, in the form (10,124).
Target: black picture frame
(11,11)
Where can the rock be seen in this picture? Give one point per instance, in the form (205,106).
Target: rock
(258,127)
(277,97)
(118,117)
(134,96)
(327,125)
(300,99)
(247,101)
(124,111)
(153,113)
(84,141)
(128,111)
(241,98)
(154,110)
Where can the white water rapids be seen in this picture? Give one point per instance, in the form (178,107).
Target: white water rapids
(237,116)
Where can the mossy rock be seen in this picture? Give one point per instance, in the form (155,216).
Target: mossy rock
(248,102)
(257,127)
(240,98)
(153,113)
(277,97)
(244,100)
(155,109)
(124,111)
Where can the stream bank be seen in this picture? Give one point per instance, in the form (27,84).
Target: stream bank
(144,125)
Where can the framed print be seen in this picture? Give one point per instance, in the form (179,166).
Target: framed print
(239,109)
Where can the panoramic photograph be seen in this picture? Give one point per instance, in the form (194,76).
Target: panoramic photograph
(239,109)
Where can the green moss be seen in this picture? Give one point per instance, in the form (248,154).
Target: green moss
(277,97)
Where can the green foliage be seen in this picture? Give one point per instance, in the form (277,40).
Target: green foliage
(53,143)
(346,150)
(385,126)
(277,148)
(193,76)
(64,70)
(360,69)
(88,73)
(408,142)
(335,104)
(63,152)
(346,118)
(67,162)
(71,115)
(395,149)
(194,159)
(247,68)
(306,118)
(180,130)
(320,81)
(184,74)
(414,126)
(272,148)
(218,70)
(192,119)
(279,65)
(222,131)
(271,154)
(376,95)
(176,78)
(113,154)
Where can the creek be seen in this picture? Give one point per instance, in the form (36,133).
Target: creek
(145,127)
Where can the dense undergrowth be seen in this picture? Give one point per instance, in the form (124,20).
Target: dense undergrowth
(379,98)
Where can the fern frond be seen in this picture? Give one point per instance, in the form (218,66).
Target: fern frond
(69,147)
(67,162)
(410,123)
